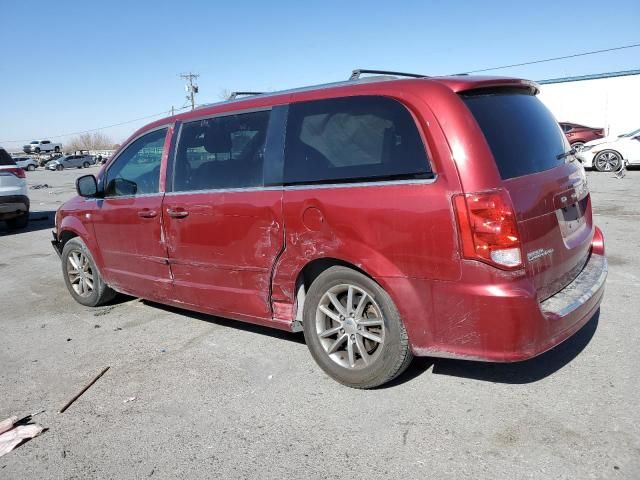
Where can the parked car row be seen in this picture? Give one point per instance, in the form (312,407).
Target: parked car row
(58,161)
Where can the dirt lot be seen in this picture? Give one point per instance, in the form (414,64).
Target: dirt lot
(215,398)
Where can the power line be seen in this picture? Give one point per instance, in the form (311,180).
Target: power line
(582,54)
(96,129)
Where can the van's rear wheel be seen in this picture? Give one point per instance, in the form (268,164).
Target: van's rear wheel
(81,275)
(607,161)
(353,329)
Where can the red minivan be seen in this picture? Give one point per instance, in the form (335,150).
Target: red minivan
(384,217)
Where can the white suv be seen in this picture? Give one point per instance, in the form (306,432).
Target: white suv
(14,201)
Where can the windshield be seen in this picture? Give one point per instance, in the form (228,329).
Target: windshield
(523,135)
(34,143)
(631,134)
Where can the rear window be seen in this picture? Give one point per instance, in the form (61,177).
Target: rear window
(5,158)
(352,139)
(523,135)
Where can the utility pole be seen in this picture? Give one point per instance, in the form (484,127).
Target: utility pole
(191,88)
(172,111)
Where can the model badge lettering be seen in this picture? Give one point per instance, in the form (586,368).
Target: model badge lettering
(539,253)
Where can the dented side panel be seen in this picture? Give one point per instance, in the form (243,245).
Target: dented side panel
(222,253)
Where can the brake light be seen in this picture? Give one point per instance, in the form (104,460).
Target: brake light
(488,228)
(18,172)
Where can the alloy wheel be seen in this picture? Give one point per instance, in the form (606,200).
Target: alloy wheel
(608,161)
(350,326)
(80,273)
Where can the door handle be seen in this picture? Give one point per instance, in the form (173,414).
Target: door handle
(146,213)
(177,213)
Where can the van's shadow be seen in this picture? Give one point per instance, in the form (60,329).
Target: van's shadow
(528,371)
(41,220)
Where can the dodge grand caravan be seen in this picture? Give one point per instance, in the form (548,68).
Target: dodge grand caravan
(384,217)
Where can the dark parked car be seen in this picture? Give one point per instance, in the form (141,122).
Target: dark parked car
(385,218)
(578,135)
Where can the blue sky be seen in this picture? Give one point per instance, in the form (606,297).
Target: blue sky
(84,65)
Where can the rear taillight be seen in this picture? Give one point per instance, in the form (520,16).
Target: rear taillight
(18,172)
(488,228)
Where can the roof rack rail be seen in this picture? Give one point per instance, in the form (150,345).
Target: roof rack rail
(234,95)
(355,75)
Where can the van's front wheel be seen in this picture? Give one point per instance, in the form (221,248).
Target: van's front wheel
(81,275)
(353,329)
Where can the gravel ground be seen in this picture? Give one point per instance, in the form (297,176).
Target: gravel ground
(214,398)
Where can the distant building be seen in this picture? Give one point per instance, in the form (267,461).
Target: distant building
(608,100)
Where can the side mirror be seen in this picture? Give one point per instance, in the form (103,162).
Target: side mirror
(87,186)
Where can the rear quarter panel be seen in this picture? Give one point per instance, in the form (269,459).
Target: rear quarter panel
(389,230)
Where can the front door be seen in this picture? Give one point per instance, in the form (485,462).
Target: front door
(224,228)
(128,220)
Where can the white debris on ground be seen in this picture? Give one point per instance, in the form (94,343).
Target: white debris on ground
(12,435)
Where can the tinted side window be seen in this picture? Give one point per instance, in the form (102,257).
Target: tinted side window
(136,171)
(352,139)
(523,135)
(221,152)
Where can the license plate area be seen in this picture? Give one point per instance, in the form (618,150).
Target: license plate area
(571,219)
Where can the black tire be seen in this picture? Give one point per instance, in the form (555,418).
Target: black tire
(37,149)
(86,165)
(386,359)
(59,168)
(607,161)
(577,145)
(18,223)
(57,149)
(31,167)
(100,292)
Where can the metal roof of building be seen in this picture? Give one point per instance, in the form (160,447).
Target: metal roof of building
(596,76)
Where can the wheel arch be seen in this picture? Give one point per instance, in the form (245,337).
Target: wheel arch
(72,227)
(312,269)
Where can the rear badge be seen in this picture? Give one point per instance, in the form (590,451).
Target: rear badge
(539,253)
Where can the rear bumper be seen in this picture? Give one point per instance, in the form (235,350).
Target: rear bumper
(500,321)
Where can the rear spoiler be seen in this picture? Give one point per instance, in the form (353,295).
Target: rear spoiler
(493,85)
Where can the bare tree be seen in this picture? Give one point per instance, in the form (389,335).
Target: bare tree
(90,141)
